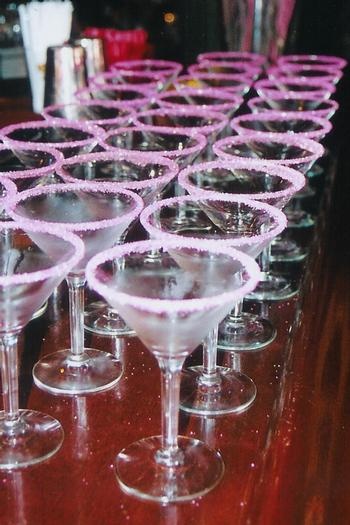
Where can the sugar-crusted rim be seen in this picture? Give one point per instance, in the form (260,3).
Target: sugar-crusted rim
(235,56)
(141,159)
(221,120)
(295,178)
(94,132)
(278,217)
(315,149)
(167,67)
(33,172)
(279,116)
(239,67)
(98,187)
(200,139)
(143,94)
(230,102)
(328,112)
(325,59)
(266,87)
(60,269)
(325,74)
(111,104)
(167,305)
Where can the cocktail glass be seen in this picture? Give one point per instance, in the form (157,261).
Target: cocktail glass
(134,97)
(37,165)
(33,261)
(283,149)
(70,138)
(146,175)
(267,88)
(236,84)
(242,57)
(317,73)
(172,303)
(99,213)
(309,60)
(246,225)
(104,113)
(272,184)
(168,69)
(285,101)
(204,98)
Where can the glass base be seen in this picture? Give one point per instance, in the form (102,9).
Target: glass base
(103,320)
(59,374)
(229,392)
(35,438)
(272,287)
(287,250)
(246,332)
(139,473)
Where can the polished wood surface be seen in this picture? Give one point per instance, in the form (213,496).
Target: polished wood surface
(286,458)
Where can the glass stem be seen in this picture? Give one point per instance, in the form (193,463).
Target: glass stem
(76,316)
(235,361)
(9,377)
(265,259)
(170,394)
(237,310)
(210,354)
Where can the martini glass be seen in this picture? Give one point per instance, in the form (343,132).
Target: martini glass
(305,125)
(317,73)
(70,138)
(168,69)
(229,221)
(267,88)
(33,261)
(284,149)
(39,166)
(172,303)
(285,101)
(236,84)
(242,57)
(146,79)
(104,113)
(145,174)
(99,213)
(226,68)
(309,60)
(134,97)
(204,98)
(272,184)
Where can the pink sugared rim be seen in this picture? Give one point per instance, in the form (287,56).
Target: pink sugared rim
(233,56)
(33,172)
(119,121)
(220,119)
(243,83)
(276,227)
(167,67)
(95,133)
(231,68)
(59,269)
(315,149)
(201,141)
(227,102)
(129,156)
(166,305)
(267,88)
(98,187)
(330,60)
(143,95)
(327,113)
(320,74)
(295,178)
(324,126)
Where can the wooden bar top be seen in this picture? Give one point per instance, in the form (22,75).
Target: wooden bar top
(286,458)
